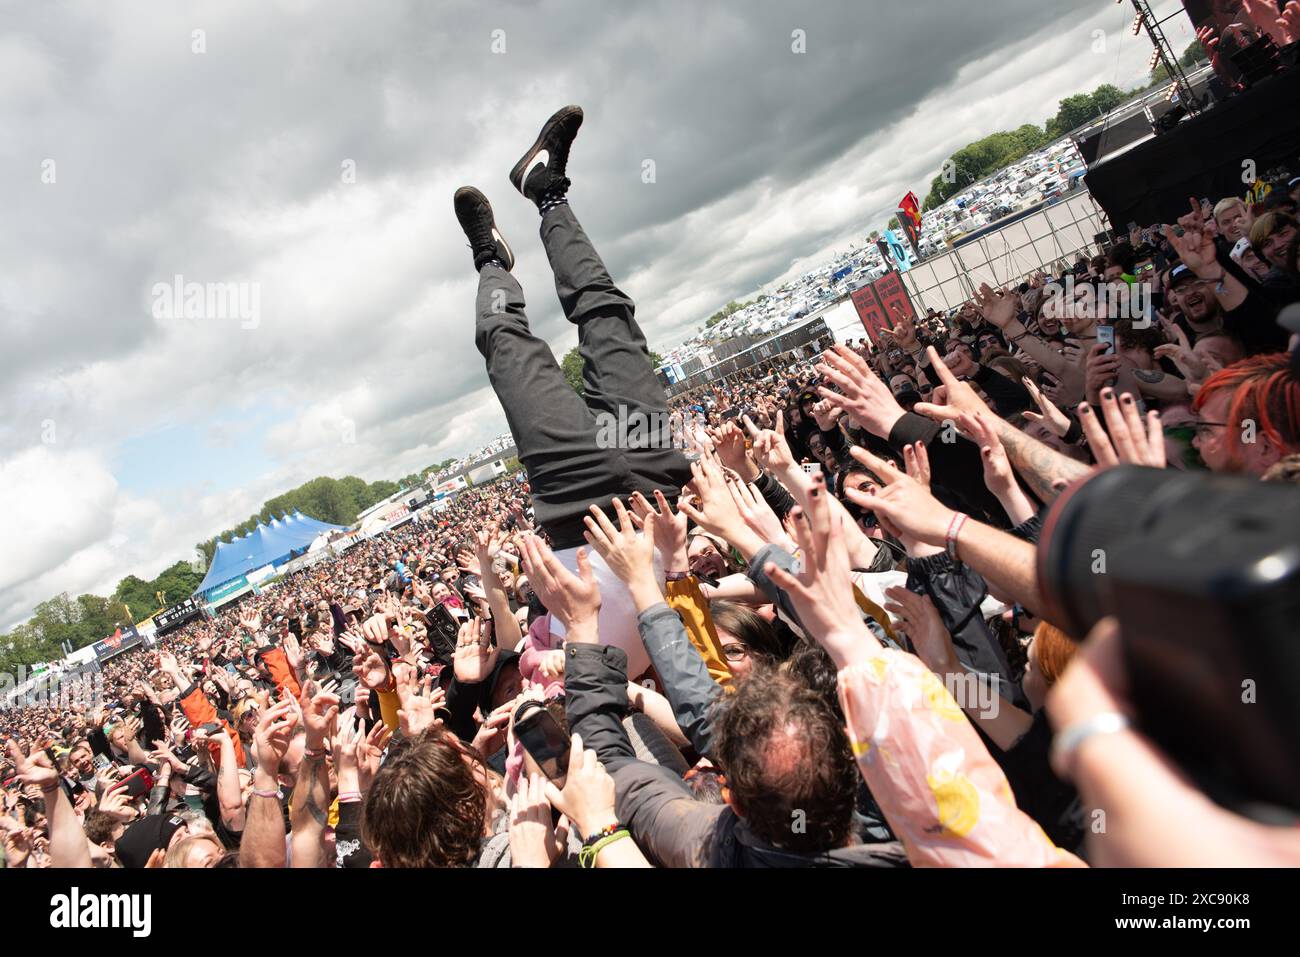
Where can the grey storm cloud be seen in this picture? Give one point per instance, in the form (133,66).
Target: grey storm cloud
(225,165)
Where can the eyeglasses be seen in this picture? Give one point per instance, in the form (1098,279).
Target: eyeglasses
(736,652)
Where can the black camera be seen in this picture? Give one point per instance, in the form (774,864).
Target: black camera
(1202,573)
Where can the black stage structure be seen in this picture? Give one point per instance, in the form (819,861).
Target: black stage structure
(1203,156)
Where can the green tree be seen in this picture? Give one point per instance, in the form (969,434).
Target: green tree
(1106,97)
(977,160)
(137,595)
(175,584)
(571,366)
(87,619)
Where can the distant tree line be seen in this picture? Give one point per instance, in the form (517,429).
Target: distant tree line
(973,162)
(90,618)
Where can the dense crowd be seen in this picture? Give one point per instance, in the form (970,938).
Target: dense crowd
(825,646)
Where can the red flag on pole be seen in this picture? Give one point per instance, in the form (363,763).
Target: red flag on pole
(909,217)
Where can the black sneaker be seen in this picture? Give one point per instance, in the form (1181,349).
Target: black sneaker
(475,215)
(540,174)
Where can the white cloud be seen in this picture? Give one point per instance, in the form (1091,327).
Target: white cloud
(226,166)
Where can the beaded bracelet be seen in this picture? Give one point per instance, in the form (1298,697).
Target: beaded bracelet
(604,832)
(587,856)
(278,794)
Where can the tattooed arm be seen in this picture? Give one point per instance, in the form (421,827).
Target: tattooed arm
(309,808)
(1046,471)
(309,813)
(263,842)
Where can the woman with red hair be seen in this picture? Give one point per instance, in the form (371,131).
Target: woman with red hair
(1248,415)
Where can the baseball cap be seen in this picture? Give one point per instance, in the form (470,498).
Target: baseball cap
(1239,250)
(1181,272)
(145,836)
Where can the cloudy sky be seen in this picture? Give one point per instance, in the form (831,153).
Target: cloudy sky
(133,150)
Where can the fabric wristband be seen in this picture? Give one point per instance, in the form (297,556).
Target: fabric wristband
(1074,433)
(587,856)
(954,529)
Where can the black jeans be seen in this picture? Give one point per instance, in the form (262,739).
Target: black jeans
(578,451)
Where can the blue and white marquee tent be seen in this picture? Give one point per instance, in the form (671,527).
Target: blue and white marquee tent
(272,543)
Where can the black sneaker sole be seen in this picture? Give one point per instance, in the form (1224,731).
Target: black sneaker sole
(468,194)
(521,169)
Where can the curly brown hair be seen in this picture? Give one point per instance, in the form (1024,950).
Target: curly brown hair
(426,807)
(789,768)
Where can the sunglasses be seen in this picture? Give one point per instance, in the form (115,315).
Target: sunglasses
(1204,428)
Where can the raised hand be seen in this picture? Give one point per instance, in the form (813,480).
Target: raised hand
(629,556)
(163,754)
(716,511)
(822,587)
(492,733)
(952,397)
(34,770)
(319,711)
(1195,247)
(905,508)
(1049,414)
(1264,17)
(669,528)
(292,653)
(475,656)
(999,306)
(371,668)
(758,515)
(274,732)
(574,599)
(827,415)
(117,805)
(861,394)
(904,331)
(1131,441)
(1192,366)
(18,842)
(468,562)
(961,364)
(416,703)
(1291,20)
(375,629)
(489,540)
(588,795)
(369,754)
(771,451)
(729,445)
(532,836)
(251,620)
(916,460)
(551,664)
